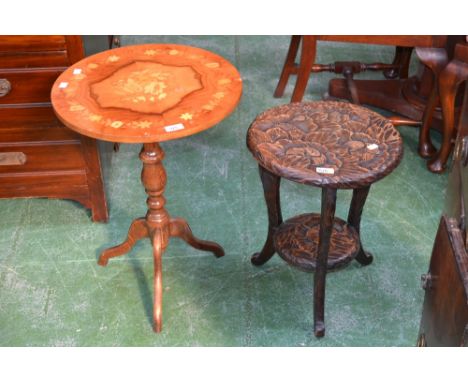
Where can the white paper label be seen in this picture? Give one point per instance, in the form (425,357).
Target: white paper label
(63,85)
(76,71)
(373,146)
(176,127)
(325,170)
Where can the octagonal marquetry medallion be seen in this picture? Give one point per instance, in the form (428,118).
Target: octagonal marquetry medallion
(146,87)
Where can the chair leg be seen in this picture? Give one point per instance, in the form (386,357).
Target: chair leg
(308,52)
(288,67)
(326,226)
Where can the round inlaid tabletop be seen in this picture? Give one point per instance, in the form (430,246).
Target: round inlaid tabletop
(325,144)
(146,93)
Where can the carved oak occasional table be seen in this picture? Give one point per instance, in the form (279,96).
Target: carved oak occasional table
(332,145)
(149,94)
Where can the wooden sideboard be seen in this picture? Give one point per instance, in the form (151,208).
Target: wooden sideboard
(444,319)
(39,157)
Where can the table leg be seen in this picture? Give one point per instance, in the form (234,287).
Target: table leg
(180,228)
(137,231)
(271,189)
(326,226)
(157,225)
(450,79)
(354,220)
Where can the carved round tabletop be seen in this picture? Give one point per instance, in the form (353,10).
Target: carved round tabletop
(146,93)
(325,144)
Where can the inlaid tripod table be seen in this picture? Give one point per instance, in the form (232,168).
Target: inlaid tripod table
(149,94)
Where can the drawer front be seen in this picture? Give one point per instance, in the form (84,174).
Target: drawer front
(28,86)
(11,60)
(45,159)
(31,43)
(37,135)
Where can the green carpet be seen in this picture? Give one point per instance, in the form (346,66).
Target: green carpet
(52,292)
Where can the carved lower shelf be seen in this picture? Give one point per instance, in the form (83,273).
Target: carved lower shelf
(296,241)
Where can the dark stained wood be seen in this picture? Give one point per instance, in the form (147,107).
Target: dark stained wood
(444,319)
(454,74)
(147,94)
(307,63)
(354,220)
(14,59)
(400,62)
(37,43)
(271,189)
(406,97)
(304,141)
(29,85)
(331,145)
(59,163)
(326,223)
(436,59)
(161,92)
(445,310)
(296,241)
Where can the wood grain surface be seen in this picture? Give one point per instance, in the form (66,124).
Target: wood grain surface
(297,239)
(325,144)
(146,93)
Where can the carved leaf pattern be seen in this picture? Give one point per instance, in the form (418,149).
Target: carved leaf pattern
(297,242)
(293,140)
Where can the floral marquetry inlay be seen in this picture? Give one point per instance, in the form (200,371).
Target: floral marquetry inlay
(138,93)
(146,87)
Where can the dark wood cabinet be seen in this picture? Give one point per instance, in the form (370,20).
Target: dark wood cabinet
(445,311)
(39,157)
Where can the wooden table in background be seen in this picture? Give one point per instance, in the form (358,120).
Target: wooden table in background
(148,94)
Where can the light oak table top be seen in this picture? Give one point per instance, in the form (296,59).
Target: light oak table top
(146,93)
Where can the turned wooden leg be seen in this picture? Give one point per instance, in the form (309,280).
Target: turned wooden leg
(449,81)
(271,189)
(435,59)
(308,51)
(288,67)
(136,232)
(354,220)
(326,226)
(180,228)
(158,249)
(154,179)
(402,59)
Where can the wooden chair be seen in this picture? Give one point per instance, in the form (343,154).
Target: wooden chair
(307,65)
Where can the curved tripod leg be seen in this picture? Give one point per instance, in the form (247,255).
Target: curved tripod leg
(138,230)
(158,289)
(179,228)
(354,220)
(289,66)
(271,184)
